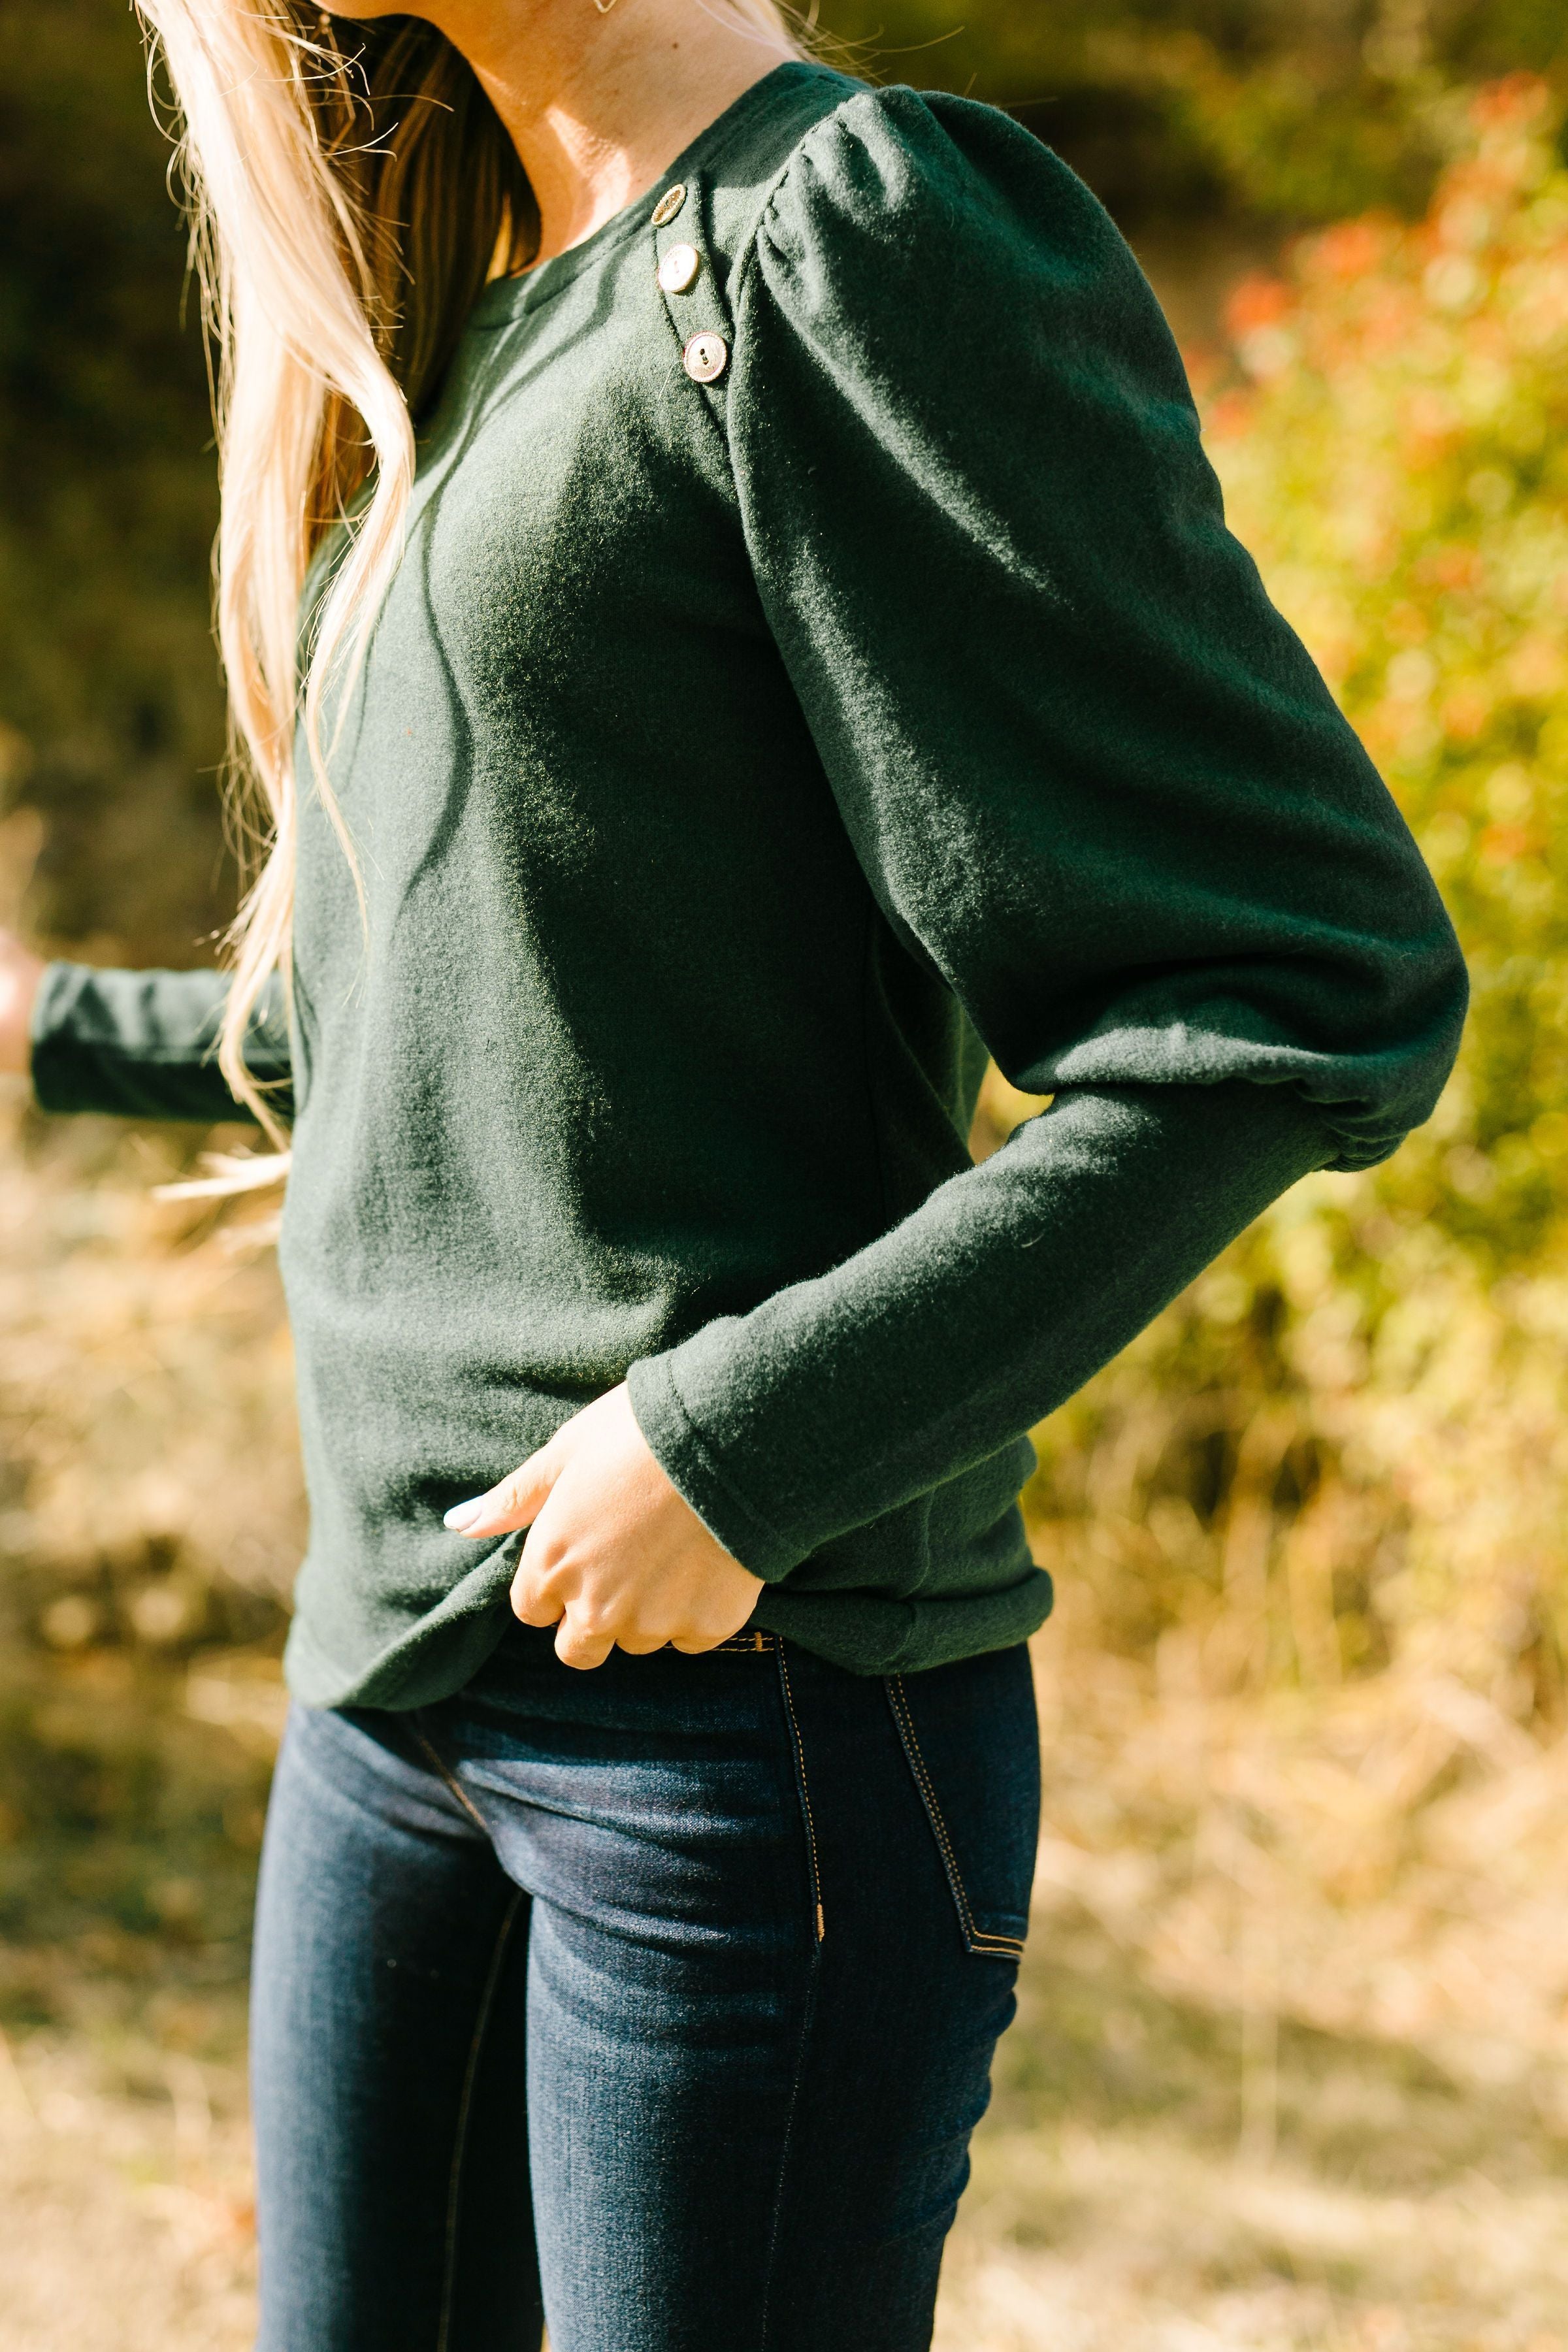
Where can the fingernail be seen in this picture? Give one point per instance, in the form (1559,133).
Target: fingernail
(462,1516)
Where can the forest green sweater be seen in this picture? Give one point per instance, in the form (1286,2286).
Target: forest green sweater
(733,761)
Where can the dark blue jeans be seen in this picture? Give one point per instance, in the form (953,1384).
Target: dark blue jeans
(658,2002)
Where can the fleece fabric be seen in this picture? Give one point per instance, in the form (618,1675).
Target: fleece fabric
(735,762)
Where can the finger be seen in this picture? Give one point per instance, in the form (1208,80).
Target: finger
(693,1639)
(516,1502)
(535,1604)
(641,1645)
(582,1647)
(542,1588)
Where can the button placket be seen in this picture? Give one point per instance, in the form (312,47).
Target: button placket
(706,357)
(681,268)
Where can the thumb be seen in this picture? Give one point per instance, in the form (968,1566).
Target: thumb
(515,1503)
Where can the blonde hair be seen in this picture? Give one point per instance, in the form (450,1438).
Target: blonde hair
(347,205)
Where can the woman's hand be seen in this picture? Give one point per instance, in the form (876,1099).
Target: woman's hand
(614,1555)
(20,972)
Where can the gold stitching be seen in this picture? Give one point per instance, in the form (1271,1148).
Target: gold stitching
(989,1947)
(804,1790)
(922,1777)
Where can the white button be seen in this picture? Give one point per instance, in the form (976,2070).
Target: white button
(681,269)
(707,357)
(670,205)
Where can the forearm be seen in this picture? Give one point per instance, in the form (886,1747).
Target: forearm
(842,1398)
(144,1045)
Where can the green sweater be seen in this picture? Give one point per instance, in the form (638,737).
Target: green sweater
(734,764)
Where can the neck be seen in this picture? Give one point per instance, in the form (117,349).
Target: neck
(599,103)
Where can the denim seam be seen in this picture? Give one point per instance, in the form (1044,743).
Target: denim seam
(465,2106)
(808,2018)
(799,1747)
(985,1946)
(808,2013)
(450,1779)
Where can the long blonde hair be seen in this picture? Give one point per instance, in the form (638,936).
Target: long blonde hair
(347,203)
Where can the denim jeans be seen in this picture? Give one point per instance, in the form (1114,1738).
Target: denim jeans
(658,2002)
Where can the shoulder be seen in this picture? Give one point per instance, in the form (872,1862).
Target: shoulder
(881,152)
(898,214)
(919,235)
(907,180)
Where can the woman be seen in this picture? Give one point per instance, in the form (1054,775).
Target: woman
(783,645)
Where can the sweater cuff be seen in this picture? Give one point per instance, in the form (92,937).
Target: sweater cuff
(847,1396)
(144,1045)
(70,1040)
(688,1462)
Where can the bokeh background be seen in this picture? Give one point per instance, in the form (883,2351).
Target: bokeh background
(1292,2065)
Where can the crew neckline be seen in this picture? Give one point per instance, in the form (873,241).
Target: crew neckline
(506,299)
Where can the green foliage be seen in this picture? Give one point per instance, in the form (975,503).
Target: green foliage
(1343,1452)
(1401,468)
(1271,109)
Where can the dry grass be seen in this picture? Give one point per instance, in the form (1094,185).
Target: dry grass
(124,2176)
(150,1511)
(1255,2099)
(1292,2065)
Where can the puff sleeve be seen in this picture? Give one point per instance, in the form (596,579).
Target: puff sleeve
(1095,782)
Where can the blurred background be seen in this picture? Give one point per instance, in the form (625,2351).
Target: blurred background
(1292,2065)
